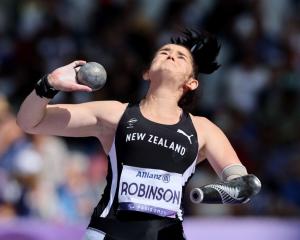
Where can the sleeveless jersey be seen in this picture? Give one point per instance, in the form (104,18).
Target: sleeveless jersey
(149,166)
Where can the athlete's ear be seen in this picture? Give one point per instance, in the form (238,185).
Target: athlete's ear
(146,75)
(191,84)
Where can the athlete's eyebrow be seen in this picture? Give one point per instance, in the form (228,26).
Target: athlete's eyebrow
(181,54)
(165,49)
(178,51)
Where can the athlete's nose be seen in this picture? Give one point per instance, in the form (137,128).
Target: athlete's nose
(170,56)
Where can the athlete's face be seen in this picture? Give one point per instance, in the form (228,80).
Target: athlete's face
(172,58)
(173,65)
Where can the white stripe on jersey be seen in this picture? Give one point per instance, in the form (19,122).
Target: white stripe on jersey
(185,176)
(94,234)
(114,182)
(188,172)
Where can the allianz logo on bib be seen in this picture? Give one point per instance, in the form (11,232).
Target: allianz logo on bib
(163,177)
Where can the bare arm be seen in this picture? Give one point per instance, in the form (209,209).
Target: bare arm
(74,120)
(77,120)
(216,148)
(236,185)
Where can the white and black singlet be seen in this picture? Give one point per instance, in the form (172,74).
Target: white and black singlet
(149,166)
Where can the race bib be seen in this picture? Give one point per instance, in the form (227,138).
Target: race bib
(150,190)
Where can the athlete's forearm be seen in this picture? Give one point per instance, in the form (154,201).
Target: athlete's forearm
(238,190)
(32,111)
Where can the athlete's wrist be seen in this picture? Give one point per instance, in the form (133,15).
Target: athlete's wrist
(44,89)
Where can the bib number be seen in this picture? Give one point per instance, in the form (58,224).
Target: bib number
(150,190)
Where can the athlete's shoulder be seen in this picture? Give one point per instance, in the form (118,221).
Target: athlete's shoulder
(109,105)
(107,111)
(201,121)
(204,125)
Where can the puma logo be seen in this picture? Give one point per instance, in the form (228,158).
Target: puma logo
(183,133)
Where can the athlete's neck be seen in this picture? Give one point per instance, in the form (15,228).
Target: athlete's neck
(161,106)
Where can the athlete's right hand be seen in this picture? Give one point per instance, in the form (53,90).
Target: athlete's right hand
(64,78)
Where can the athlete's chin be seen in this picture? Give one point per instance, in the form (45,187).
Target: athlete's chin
(167,71)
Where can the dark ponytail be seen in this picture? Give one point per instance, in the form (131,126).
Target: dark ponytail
(204,48)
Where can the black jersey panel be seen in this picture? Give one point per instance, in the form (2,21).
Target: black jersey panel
(144,157)
(142,143)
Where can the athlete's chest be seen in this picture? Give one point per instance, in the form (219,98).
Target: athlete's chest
(142,143)
(171,139)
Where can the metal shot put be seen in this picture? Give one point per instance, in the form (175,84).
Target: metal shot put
(93,75)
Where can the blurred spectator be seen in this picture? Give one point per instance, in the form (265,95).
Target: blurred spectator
(244,82)
(75,194)
(32,18)
(97,174)
(18,159)
(55,157)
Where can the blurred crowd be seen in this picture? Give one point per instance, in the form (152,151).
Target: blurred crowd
(254,97)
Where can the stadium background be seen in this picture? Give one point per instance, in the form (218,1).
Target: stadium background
(51,184)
